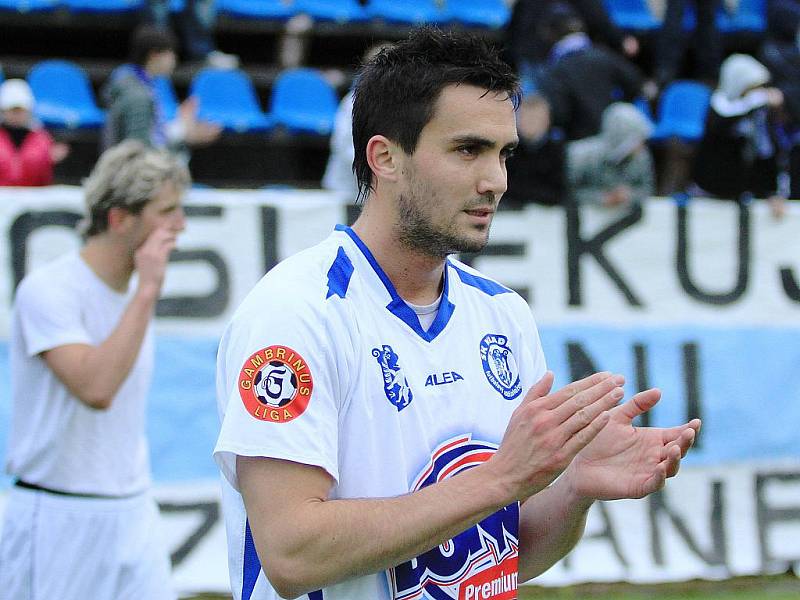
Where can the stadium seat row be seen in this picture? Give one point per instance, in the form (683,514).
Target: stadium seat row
(636,15)
(477,13)
(302,100)
(633,15)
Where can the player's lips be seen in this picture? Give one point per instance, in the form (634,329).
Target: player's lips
(481,214)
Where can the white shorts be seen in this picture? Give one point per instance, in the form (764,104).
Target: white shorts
(73,548)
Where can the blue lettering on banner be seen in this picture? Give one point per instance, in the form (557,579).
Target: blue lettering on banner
(760,410)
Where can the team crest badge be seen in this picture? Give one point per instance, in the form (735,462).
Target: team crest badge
(275,384)
(500,366)
(395,384)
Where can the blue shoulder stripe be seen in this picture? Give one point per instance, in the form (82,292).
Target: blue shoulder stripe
(487,286)
(339,275)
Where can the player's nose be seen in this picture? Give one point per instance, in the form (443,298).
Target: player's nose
(493,179)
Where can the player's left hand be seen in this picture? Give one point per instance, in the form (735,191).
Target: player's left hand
(624,461)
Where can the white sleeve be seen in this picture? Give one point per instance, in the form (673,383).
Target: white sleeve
(49,316)
(280,384)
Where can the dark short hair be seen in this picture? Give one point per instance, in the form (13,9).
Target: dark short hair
(396,91)
(150,38)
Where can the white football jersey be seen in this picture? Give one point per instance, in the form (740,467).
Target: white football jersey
(325,364)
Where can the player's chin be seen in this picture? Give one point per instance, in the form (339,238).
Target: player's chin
(475,242)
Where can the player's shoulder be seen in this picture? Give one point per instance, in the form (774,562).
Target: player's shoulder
(301,282)
(470,277)
(484,288)
(54,275)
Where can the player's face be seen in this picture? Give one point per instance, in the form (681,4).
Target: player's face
(453,181)
(164,210)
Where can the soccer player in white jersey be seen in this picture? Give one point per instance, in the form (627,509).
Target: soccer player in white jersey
(388,426)
(80,521)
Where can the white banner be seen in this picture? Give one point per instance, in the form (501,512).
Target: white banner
(710,262)
(702,301)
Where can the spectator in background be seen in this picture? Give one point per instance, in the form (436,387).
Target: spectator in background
(613,168)
(780,53)
(81,522)
(782,16)
(529,41)
(339,176)
(738,157)
(671,42)
(195,24)
(536,170)
(582,79)
(27,152)
(133,109)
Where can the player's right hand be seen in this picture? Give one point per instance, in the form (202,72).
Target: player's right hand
(152,257)
(547,430)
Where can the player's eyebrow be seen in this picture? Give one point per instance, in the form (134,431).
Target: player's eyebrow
(481,142)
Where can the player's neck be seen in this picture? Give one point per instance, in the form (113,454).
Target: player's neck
(416,276)
(110,262)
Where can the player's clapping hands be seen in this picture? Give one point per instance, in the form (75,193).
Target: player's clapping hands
(624,461)
(547,430)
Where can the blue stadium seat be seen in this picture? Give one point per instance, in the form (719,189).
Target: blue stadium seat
(480,13)
(103,6)
(339,11)
(632,15)
(279,10)
(750,16)
(304,102)
(682,111)
(409,12)
(64,96)
(166,98)
(24,6)
(227,97)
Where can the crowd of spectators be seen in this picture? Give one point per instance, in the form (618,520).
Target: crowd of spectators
(590,88)
(589,79)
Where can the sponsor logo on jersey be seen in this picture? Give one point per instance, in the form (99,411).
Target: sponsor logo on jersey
(275,384)
(500,366)
(477,564)
(443,379)
(395,384)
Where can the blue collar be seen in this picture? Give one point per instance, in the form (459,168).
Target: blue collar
(398,306)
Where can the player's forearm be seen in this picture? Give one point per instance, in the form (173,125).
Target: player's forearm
(104,368)
(335,540)
(551,523)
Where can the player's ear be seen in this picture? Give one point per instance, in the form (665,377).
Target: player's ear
(383,158)
(118,218)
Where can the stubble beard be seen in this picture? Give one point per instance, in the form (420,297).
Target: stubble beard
(416,232)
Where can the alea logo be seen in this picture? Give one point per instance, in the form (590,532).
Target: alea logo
(477,564)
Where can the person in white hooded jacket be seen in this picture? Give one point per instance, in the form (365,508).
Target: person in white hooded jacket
(739,156)
(614,167)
